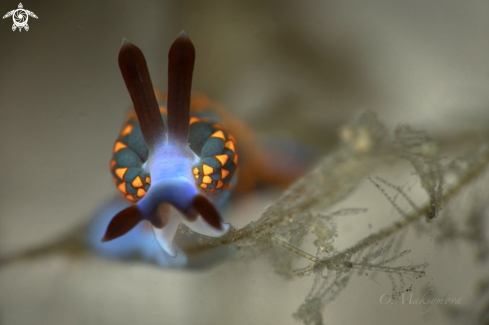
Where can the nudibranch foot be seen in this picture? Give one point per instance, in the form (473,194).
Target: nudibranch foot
(164,236)
(202,227)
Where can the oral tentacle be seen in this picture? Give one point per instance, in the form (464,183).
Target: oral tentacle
(202,227)
(207,211)
(138,82)
(181,60)
(123,222)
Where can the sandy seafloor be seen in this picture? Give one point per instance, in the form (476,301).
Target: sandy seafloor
(291,70)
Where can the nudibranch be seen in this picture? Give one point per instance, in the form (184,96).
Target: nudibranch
(173,166)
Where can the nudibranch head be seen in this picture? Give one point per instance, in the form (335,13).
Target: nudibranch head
(166,189)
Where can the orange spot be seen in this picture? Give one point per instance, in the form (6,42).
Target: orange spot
(230,146)
(163,110)
(235,160)
(122,187)
(217,126)
(219,184)
(218,134)
(148,179)
(118,146)
(112,163)
(196,176)
(195,171)
(130,198)
(222,158)
(203,185)
(137,182)
(115,180)
(207,180)
(140,193)
(224,173)
(127,129)
(212,190)
(193,120)
(207,169)
(120,172)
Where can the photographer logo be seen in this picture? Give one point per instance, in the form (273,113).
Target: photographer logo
(20,17)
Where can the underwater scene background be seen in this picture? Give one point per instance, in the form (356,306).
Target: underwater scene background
(299,74)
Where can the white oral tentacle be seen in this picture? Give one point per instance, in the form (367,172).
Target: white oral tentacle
(202,227)
(165,235)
